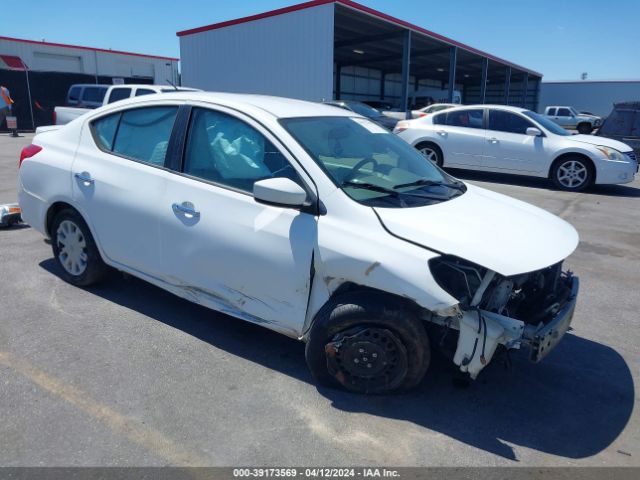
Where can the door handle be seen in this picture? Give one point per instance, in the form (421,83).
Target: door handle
(493,140)
(187,208)
(442,133)
(85,178)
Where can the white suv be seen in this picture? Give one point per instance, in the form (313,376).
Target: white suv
(498,138)
(305,219)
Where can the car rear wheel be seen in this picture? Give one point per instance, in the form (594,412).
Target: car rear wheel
(572,173)
(585,128)
(431,152)
(75,250)
(368,343)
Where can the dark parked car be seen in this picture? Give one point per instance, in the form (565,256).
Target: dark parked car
(623,124)
(380,105)
(366,111)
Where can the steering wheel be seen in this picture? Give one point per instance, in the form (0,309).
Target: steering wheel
(356,168)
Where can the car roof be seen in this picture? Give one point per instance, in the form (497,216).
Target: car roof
(279,107)
(508,108)
(101,85)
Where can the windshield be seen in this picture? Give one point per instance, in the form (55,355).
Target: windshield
(362,109)
(549,125)
(372,166)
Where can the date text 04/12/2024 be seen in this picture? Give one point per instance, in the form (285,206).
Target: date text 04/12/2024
(317,472)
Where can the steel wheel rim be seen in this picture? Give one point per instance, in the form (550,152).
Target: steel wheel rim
(367,359)
(430,154)
(72,248)
(572,174)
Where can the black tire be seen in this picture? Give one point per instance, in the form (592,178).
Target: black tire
(585,128)
(562,167)
(361,324)
(436,157)
(93,269)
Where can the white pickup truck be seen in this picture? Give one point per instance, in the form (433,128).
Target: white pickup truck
(568,117)
(83,98)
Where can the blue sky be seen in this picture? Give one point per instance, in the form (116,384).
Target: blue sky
(558,38)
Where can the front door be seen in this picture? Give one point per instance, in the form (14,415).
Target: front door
(223,249)
(508,148)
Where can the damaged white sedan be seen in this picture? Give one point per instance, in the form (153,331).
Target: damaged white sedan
(308,220)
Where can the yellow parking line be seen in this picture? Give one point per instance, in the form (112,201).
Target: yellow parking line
(131,428)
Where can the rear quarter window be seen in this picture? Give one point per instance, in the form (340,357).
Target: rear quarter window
(104,130)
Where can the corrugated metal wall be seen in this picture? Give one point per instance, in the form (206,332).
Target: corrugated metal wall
(594,97)
(289,55)
(47,58)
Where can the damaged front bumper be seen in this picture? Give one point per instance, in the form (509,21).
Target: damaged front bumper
(545,338)
(482,331)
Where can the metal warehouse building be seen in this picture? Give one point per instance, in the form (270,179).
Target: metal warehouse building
(595,96)
(340,49)
(38,74)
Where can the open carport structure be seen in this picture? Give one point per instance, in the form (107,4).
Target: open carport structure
(340,49)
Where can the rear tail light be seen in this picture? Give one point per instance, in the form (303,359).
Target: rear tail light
(401,126)
(28,152)
(422,114)
(54,117)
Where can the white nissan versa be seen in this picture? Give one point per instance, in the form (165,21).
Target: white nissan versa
(497,138)
(308,220)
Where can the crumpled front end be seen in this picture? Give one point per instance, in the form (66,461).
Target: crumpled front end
(534,309)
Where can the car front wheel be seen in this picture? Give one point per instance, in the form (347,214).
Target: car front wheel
(368,343)
(572,173)
(75,250)
(585,128)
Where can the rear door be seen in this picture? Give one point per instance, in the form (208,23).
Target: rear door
(118,181)
(220,246)
(460,134)
(509,148)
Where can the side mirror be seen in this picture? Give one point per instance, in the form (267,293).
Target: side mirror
(534,132)
(280,192)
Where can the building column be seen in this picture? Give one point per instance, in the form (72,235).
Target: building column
(525,90)
(483,81)
(507,84)
(406,65)
(383,80)
(453,54)
(338,80)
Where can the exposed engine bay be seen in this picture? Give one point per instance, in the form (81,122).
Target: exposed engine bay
(495,310)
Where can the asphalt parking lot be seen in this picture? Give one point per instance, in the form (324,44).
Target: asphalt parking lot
(127,374)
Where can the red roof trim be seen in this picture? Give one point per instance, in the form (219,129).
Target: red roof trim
(362,8)
(251,18)
(64,45)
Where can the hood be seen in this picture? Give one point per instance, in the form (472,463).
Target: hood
(492,230)
(596,140)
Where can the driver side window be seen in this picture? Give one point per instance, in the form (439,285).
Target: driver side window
(222,149)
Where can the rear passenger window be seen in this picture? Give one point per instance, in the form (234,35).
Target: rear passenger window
(440,119)
(502,121)
(93,94)
(74,94)
(465,118)
(119,94)
(144,133)
(552,112)
(104,129)
(227,151)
